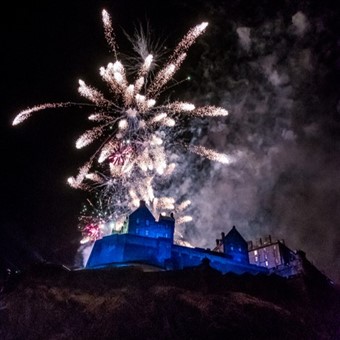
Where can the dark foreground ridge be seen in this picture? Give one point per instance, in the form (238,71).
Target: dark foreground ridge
(53,302)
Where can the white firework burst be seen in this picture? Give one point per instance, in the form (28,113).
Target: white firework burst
(132,127)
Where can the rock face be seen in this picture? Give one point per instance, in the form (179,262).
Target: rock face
(129,303)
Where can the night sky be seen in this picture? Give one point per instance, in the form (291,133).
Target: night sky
(275,67)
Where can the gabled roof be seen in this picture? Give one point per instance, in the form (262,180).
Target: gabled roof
(234,236)
(142,212)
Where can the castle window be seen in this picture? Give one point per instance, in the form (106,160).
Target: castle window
(266,263)
(231,248)
(256,258)
(255,252)
(146,232)
(147,222)
(137,231)
(137,220)
(239,249)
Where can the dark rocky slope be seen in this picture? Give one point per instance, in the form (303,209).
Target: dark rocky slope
(48,302)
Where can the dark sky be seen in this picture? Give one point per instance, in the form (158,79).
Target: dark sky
(275,67)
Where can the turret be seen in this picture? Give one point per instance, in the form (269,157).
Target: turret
(140,219)
(142,222)
(235,245)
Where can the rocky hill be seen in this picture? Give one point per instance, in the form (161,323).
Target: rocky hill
(52,302)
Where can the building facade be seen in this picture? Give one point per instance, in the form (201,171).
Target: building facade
(150,242)
(270,254)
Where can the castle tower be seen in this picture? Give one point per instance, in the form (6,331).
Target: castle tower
(235,246)
(140,219)
(142,222)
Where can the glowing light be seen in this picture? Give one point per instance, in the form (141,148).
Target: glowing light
(88,137)
(146,66)
(211,154)
(183,205)
(109,36)
(178,106)
(23,115)
(210,111)
(184,219)
(134,134)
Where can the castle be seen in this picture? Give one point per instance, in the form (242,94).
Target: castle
(147,242)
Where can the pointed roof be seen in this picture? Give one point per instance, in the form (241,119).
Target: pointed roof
(142,212)
(234,236)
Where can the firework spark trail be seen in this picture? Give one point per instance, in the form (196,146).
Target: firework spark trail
(108,31)
(210,111)
(77,182)
(91,94)
(183,219)
(135,131)
(88,137)
(176,59)
(183,205)
(23,115)
(188,40)
(211,154)
(146,66)
(164,76)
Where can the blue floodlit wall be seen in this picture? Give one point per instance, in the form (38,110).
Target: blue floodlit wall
(184,257)
(115,249)
(150,242)
(142,222)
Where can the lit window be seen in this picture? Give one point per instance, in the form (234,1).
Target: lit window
(255,252)
(137,221)
(239,249)
(137,231)
(147,222)
(266,263)
(231,248)
(146,232)
(256,258)
(274,247)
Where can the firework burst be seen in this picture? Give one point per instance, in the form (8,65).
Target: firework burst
(133,131)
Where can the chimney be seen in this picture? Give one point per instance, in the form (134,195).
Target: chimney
(260,241)
(142,203)
(223,236)
(217,242)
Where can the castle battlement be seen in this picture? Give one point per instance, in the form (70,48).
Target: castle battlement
(151,242)
(148,242)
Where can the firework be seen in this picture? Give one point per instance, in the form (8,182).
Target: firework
(134,133)
(211,154)
(23,115)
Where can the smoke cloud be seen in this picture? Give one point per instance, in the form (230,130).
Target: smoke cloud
(275,76)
